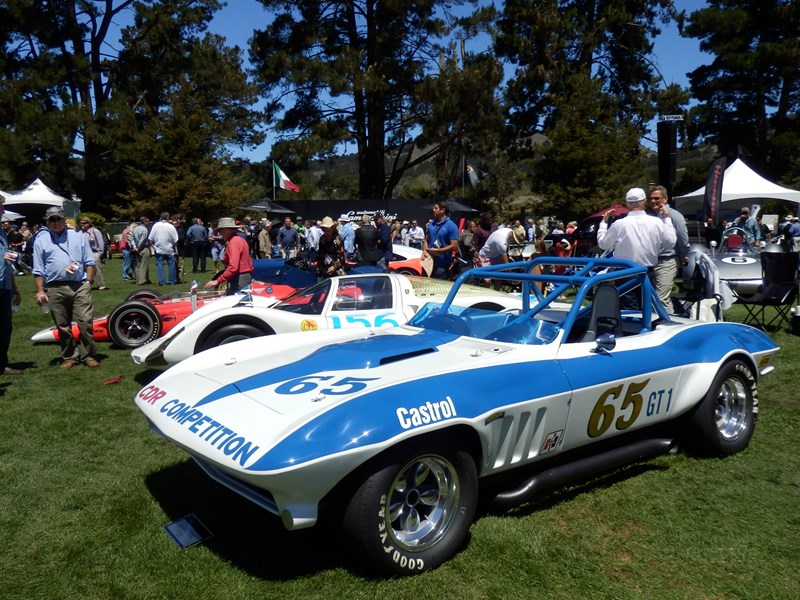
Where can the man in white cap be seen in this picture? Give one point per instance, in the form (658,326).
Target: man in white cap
(238,271)
(638,237)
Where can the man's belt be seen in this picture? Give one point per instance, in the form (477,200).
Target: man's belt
(65,282)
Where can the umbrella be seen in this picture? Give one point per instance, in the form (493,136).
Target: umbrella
(267,205)
(10,215)
(618,209)
(454,206)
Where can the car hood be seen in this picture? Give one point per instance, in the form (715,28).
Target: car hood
(306,401)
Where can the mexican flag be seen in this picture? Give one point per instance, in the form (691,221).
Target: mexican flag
(280,179)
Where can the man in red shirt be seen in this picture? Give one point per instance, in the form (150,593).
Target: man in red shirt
(238,265)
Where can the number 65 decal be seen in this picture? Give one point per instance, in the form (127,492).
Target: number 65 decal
(603,413)
(309,383)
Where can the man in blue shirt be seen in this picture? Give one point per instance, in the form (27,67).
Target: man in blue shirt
(9,295)
(748,223)
(441,241)
(348,235)
(63,270)
(197,238)
(288,239)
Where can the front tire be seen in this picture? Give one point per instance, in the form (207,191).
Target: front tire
(228,334)
(412,515)
(724,421)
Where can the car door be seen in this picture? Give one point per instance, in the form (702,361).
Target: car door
(622,389)
(365,301)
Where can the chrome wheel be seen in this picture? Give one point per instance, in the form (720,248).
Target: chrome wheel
(731,410)
(422,501)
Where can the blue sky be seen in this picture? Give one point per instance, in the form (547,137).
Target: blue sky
(675,56)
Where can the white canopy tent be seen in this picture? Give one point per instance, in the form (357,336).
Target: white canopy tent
(38,194)
(10,215)
(741,186)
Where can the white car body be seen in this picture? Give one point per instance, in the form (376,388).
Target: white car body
(398,298)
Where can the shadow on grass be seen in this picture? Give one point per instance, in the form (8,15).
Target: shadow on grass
(146,376)
(244,534)
(256,542)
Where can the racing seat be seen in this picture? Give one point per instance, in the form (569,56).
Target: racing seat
(606,316)
(779,290)
(733,241)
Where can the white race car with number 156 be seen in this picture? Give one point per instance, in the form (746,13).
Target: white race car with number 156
(350,301)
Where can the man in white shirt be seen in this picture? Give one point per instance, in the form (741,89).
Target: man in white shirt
(163,237)
(415,235)
(638,237)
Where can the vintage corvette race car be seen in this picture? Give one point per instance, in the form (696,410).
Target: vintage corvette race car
(374,300)
(393,432)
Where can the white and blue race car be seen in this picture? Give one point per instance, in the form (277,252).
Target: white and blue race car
(394,432)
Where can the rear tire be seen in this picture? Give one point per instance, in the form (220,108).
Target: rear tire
(411,515)
(724,421)
(134,323)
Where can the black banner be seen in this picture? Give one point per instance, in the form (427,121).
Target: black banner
(713,192)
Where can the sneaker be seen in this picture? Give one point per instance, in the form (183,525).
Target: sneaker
(69,363)
(102,288)
(11,371)
(91,362)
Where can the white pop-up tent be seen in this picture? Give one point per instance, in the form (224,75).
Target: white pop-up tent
(741,186)
(38,194)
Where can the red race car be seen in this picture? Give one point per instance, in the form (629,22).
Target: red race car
(146,315)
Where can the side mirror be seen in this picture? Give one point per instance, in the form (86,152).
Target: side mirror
(606,342)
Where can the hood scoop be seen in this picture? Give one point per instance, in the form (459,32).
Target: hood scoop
(365,353)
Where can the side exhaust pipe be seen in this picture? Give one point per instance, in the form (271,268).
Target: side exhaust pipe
(583,469)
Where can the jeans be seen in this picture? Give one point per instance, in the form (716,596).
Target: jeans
(170,258)
(127,264)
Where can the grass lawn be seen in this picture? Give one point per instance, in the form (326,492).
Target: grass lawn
(87,489)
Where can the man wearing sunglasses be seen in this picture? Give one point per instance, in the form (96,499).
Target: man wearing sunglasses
(63,270)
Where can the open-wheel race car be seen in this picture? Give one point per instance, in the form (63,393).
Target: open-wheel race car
(342,302)
(393,433)
(739,261)
(145,315)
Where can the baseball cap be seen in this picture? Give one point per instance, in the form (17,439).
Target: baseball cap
(635,195)
(54,211)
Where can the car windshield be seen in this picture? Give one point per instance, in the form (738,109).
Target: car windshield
(501,326)
(735,240)
(308,301)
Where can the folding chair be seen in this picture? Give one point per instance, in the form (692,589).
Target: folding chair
(779,290)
